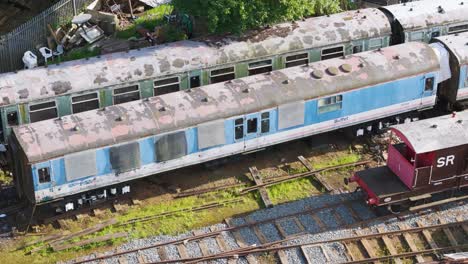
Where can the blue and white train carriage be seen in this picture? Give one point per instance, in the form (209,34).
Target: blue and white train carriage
(86,155)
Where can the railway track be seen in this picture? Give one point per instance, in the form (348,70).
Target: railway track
(249,239)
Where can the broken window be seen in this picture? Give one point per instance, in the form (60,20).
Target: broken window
(429,84)
(330,104)
(165,86)
(44,175)
(222,75)
(265,122)
(172,146)
(86,102)
(330,53)
(252,125)
(260,67)
(296,60)
(126,94)
(357,49)
(12,118)
(239,128)
(458,29)
(195,81)
(42,111)
(125,157)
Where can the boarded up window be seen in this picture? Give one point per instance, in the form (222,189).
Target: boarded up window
(260,67)
(222,75)
(42,111)
(85,102)
(125,158)
(172,146)
(335,52)
(211,134)
(165,86)
(126,94)
(458,29)
(417,36)
(296,60)
(290,115)
(80,165)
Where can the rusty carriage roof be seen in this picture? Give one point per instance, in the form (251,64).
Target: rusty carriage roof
(169,112)
(153,62)
(423,14)
(458,45)
(436,133)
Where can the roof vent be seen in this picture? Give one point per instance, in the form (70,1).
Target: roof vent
(460,121)
(103,109)
(317,74)
(119,119)
(286,82)
(162,109)
(396,57)
(58,118)
(146,99)
(434,126)
(229,81)
(441,10)
(132,58)
(332,71)
(361,65)
(346,68)
(364,17)
(462,3)
(411,9)
(76,128)
(205,100)
(267,73)
(246,90)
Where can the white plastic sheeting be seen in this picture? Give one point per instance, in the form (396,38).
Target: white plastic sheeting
(444,56)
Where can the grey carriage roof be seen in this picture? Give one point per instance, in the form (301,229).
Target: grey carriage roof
(423,14)
(131,121)
(458,45)
(436,133)
(153,62)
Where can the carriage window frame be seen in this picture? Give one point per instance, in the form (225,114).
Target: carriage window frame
(36,108)
(429,84)
(117,92)
(43,175)
(259,67)
(413,38)
(457,29)
(374,46)
(223,74)
(84,101)
(169,87)
(332,52)
(296,60)
(265,122)
(252,125)
(239,128)
(330,104)
(15,120)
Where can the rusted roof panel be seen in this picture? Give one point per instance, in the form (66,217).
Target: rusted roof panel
(436,133)
(424,14)
(458,45)
(182,56)
(131,121)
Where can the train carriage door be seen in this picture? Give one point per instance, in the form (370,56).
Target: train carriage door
(195,79)
(428,88)
(250,129)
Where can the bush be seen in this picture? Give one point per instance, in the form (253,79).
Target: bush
(239,15)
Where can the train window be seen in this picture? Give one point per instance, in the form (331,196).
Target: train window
(435,34)
(239,128)
(417,36)
(296,60)
(125,157)
(222,75)
(330,104)
(332,53)
(42,111)
(126,94)
(44,175)
(457,29)
(172,146)
(265,122)
(12,118)
(375,44)
(165,86)
(260,67)
(429,84)
(195,81)
(252,125)
(85,102)
(357,49)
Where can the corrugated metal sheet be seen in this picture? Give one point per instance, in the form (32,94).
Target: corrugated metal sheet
(458,45)
(183,56)
(169,112)
(436,133)
(423,14)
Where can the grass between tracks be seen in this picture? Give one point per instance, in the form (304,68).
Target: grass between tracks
(180,223)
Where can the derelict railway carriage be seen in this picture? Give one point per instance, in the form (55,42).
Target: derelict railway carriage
(93,151)
(72,87)
(430,157)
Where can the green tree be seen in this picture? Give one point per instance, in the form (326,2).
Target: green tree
(239,15)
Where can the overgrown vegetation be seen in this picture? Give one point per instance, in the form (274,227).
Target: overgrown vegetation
(5,179)
(240,15)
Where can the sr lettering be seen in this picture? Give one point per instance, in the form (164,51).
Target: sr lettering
(445,161)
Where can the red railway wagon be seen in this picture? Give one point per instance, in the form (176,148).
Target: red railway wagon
(430,156)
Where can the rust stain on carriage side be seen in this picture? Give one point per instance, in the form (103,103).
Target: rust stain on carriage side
(23,94)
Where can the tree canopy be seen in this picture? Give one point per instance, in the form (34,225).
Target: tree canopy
(239,15)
